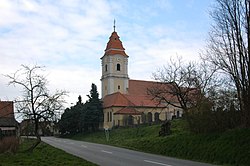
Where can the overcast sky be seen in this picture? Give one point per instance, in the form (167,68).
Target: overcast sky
(68,37)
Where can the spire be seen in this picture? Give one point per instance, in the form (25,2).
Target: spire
(114,25)
(114,45)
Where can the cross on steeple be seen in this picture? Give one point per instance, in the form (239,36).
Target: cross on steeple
(114,25)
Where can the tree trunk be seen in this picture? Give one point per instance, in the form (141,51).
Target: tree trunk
(38,137)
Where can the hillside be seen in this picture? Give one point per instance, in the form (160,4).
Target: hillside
(228,148)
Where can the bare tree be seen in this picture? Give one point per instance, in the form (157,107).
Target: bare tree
(182,85)
(228,47)
(37,104)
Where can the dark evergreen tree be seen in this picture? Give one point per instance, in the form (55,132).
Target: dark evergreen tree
(70,122)
(94,112)
(83,117)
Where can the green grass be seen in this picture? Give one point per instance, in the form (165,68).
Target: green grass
(43,155)
(228,148)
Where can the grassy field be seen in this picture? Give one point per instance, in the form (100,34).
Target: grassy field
(229,148)
(43,155)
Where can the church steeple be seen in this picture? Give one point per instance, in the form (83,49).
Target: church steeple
(114,66)
(114,45)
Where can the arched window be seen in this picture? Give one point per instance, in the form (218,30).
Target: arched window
(110,118)
(178,114)
(119,87)
(149,117)
(106,67)
(157,117)
(143,118)
(118,67)
(107,116)
(130,120)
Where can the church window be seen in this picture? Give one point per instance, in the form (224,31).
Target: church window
(119,87)
(110,118)
(149,117)
(106,67)
(130,120)
(143,118)
(118,67)
(157,117)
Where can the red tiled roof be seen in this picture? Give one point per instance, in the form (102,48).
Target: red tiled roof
(114,52)
(138,95)
(116,99)
(124,100)
(143,100)
(128,111)
(140,87)
(114,45)
(6,109)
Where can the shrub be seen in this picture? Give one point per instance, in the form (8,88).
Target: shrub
(9,144)
(204,120)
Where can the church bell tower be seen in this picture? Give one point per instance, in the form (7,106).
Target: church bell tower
(114,67)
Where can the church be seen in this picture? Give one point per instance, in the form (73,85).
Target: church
(127,102)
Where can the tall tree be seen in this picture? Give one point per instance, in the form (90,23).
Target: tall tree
(83,117)
(94,111)
(182,85)
(229,47)
(72,120)
(37,103)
